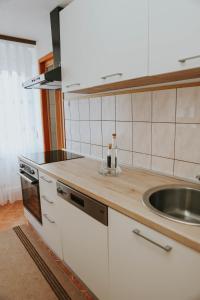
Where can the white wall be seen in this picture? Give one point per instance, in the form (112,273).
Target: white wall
(29,19)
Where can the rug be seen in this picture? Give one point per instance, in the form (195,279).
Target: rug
(27,271)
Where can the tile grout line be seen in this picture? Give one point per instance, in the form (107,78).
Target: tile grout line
(90,125)
(101,128)
(151,163)
(132,109)
(175,132)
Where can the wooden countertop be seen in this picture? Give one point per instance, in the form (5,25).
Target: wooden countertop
(124,194)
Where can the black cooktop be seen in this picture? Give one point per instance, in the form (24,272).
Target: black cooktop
(41,158)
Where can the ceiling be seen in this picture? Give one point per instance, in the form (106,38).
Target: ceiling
(40,7)
(29,19)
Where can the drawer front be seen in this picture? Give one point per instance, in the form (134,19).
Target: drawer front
(51,234)
(47,185)
(48,203)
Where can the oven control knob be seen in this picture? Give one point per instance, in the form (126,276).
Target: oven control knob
(59,190)
(32,172)
(22,166)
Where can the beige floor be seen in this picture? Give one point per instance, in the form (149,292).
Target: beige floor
(12,215)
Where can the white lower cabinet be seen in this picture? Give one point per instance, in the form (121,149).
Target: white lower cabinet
(50,214)
(85,247)
(122,261)
(141,270)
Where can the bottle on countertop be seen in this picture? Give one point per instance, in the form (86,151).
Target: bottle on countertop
(114,151)
(109,159)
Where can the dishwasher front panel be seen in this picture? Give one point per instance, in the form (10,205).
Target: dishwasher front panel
(90,206)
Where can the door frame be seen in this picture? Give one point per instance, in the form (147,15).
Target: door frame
(44,63)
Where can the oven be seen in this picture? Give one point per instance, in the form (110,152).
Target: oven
(30,189)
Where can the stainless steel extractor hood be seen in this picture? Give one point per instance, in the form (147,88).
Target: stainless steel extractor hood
(50,80)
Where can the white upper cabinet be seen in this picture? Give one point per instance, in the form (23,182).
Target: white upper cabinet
(103,41)
(174,35)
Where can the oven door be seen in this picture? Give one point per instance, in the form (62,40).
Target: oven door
(31,195)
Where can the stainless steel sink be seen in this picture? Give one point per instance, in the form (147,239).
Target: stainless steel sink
(178,203)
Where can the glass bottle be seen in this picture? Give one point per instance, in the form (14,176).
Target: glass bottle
(109,164)
(114,151)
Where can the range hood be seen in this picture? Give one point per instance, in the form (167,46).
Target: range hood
(50,80)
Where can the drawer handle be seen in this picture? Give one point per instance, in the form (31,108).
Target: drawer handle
(183,60)
(111,75)
(46,180)
(73,84)
(167,248)
(48,219)
(45,199)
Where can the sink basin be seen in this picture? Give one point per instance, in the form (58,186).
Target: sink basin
(178,203)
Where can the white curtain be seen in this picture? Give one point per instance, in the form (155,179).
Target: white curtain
(20,115)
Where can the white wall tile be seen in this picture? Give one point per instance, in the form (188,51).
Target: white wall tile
(188,105)
(186,170)
(68,129)
(141,106)
(74,109)
(108,108)
(123,108)
(108,128)
(163,165)
(85,149)
(89,135)
(95,109)
(142,137)
(84,111)
(164,106)
(96,151)
(76,147)
(67,109)
(124,157)
(69,145)
(188,142)
(85,131)
(124,135)
(96,134)
(75,130)
(141,160)
(163,136)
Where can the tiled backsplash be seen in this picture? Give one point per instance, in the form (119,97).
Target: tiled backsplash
(155,130)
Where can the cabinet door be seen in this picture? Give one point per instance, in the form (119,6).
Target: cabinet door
(141,270)
(103,41)
(85,247)
(174,34)
(122,31)
(79,59)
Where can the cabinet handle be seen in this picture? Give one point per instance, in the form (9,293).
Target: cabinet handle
(111,75)
(48,219)
(183,60)
(45,199)
(167,248)
(73,84)
(46,180)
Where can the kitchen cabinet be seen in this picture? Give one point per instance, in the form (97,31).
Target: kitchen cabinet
(50,213)
(103,42)
(174,27)
(84,239)
(140,269)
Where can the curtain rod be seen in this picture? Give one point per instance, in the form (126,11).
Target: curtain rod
(16,39)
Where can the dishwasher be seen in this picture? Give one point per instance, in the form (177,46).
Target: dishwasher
(83,222)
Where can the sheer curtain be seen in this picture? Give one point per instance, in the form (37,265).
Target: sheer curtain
(20,115)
